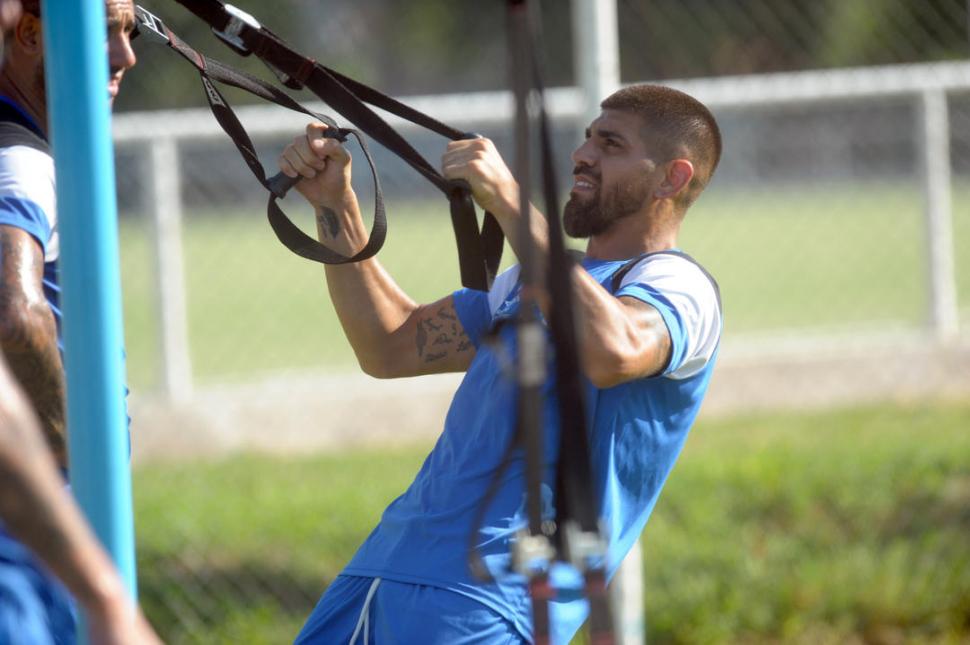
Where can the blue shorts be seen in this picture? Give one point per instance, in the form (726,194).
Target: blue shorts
(35,609)
(372,611)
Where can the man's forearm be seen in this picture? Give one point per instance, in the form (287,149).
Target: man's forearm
(35,507)
(370,305)
(30,345)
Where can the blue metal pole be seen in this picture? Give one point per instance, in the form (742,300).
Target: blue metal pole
(77,99)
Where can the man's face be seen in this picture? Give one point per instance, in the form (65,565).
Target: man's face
(121,21)
(614,175)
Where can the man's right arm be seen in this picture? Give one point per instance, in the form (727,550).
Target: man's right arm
(36,509)
(391,335)
(28,334)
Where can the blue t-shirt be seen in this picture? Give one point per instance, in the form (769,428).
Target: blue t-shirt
(638,428)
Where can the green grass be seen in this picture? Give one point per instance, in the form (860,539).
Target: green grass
(836,257)
(842,526)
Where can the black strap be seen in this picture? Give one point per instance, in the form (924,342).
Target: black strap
(286,231)
(577,536)
(479,251)
(576,532)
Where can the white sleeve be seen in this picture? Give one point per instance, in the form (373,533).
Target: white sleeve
(502,287)
(28,174)
(678,284)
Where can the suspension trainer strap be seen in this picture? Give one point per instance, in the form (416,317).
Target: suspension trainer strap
(479,251)
(577,538)
(286,231)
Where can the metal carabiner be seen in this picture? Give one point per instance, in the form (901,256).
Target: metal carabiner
(150,26)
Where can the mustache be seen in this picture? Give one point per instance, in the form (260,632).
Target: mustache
(586,170)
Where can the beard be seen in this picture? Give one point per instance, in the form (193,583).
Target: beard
(588,216)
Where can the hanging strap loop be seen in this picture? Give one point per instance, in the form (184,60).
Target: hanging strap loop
(479,249)
(288,233)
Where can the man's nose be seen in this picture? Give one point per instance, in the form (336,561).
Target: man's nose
(584,155)
(120,53)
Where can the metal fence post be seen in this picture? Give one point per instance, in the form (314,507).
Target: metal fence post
(626,591)
(166,210)
(596,57)
(935,152)
(596,53)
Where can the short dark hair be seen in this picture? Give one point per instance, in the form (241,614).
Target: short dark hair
(673,120)
(30,6)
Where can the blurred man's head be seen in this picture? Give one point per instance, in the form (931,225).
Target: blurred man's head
(9,15)
(24,54)
(650,142)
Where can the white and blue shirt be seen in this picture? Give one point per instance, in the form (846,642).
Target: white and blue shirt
(28,198)
(637,431)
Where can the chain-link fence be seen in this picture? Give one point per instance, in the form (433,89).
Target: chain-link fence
(844,275)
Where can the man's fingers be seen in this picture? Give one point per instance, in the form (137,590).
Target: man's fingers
(462,156)
(295,162)
(287,168)
(328,148)
(302,147)
(323,146)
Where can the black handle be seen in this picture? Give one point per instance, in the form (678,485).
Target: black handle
(279,184)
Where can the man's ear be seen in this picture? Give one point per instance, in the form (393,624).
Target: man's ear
(676,179)
(28,34)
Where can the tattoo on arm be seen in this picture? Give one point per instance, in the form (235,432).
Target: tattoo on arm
(438,327)
(327,222)
(28,335)
(422,338)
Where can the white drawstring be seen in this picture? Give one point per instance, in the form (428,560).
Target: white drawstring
(364,619)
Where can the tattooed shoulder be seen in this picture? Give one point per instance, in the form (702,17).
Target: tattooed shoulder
(438,327)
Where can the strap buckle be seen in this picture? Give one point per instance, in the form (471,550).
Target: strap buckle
(150,26)
(231,33)
(585,550)
(532,554)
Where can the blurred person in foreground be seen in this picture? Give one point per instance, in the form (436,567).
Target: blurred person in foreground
(34,504)
(649,329)
(35,507)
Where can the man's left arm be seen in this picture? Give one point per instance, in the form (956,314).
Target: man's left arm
(620,339)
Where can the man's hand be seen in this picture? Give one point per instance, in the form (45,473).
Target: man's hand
(323,163)
(120,623)
(479,163)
